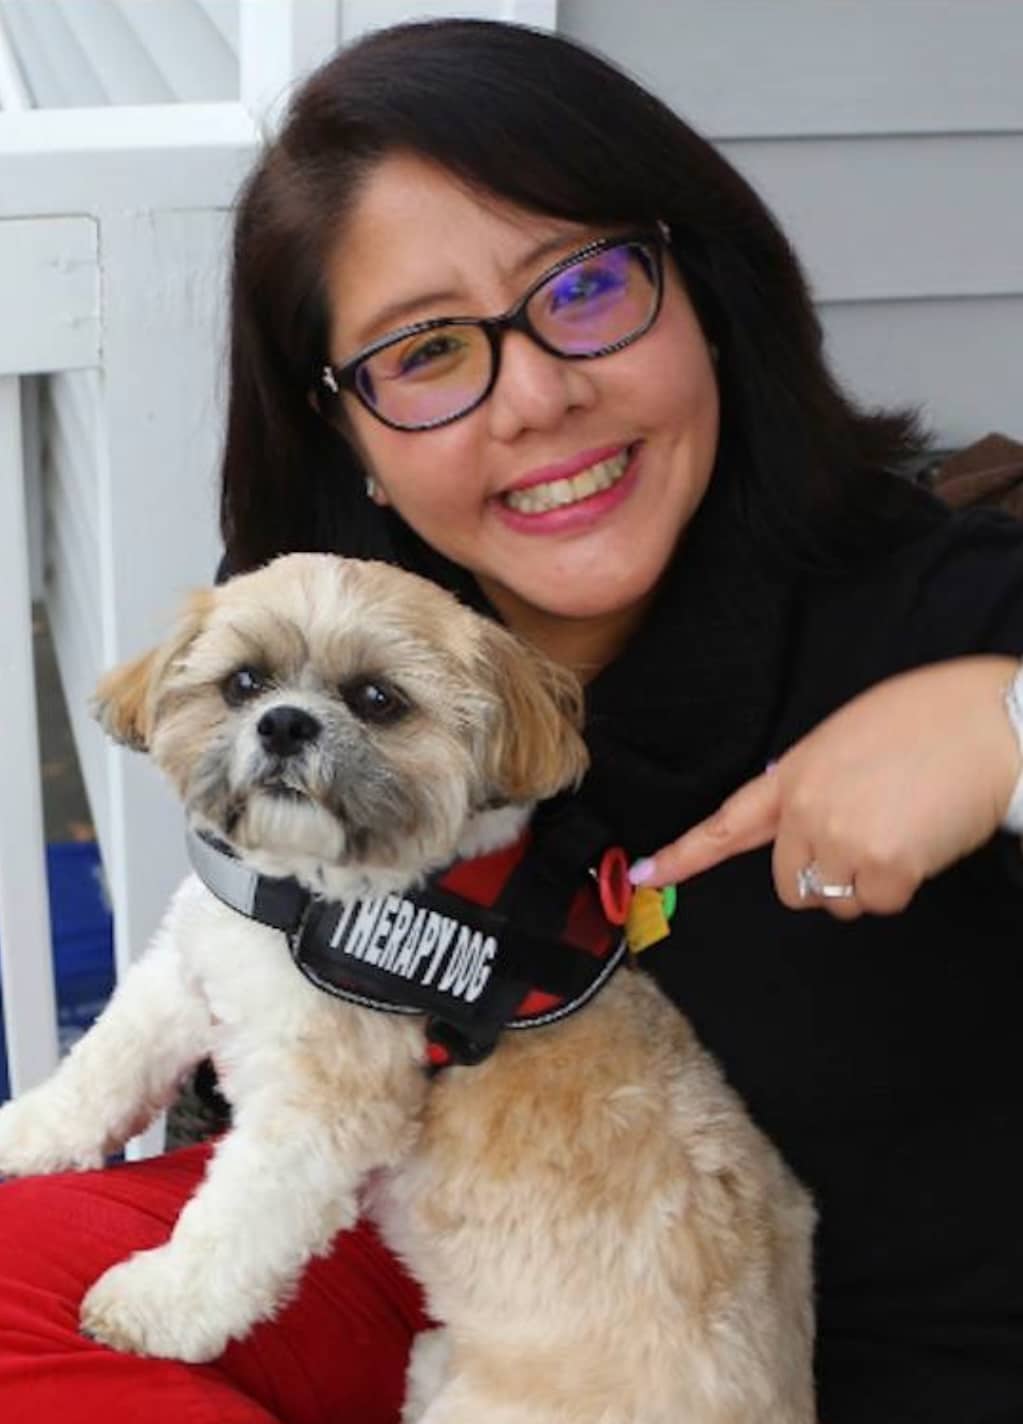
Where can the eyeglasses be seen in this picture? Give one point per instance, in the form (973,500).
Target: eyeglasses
(592,303)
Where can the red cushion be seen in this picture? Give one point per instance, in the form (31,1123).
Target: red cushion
(337,1352)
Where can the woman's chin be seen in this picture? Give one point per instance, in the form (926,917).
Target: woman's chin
(605,591)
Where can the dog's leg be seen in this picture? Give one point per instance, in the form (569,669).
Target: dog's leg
(427,1370)
(117,1077)
(279,1188)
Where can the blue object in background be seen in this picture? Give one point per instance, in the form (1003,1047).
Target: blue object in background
(83,942)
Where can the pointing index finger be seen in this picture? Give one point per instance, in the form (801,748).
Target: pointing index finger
(748,819)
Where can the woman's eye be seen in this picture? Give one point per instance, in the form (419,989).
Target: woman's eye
(429,353)
(578,288)
(243,684)
(374,702)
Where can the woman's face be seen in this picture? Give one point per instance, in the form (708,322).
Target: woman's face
(420,245)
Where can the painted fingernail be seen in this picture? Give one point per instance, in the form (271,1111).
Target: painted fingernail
(641,872)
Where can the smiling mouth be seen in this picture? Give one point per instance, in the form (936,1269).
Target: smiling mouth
(556,494)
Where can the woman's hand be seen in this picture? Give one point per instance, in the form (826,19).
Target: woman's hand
(889,790)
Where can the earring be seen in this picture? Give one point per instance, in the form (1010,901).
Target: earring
(372,489)
(714,353)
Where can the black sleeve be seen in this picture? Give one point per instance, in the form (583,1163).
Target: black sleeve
(969,588)
(955,592)
(971,601)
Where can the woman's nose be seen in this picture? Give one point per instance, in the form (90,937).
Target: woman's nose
(534,390)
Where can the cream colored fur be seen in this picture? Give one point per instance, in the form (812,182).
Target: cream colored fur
(600,1230)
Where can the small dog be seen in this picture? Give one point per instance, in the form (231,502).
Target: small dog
(601,1233)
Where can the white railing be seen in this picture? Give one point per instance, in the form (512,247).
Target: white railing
(113,233)
(48,287)
(29,1001)
(114,227)
(30,1009)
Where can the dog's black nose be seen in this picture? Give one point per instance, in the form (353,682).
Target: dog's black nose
(287,730)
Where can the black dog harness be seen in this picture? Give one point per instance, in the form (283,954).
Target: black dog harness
(512,940)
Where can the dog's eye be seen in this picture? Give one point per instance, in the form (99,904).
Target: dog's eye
(243,684)
(374,701)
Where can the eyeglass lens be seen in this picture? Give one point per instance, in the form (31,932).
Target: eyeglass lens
(594,304)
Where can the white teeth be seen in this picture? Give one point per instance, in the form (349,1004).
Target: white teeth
(537,499)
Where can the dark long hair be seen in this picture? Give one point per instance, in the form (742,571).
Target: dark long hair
(557,130)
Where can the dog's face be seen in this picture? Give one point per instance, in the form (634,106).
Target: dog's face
(327,712)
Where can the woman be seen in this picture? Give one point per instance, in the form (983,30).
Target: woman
(640,463)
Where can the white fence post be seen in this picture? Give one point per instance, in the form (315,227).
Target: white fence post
(26,960)
(279,42)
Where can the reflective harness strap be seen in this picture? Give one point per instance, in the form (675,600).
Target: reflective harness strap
(279,903)
(515,939)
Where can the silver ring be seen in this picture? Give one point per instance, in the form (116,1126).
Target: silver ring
(809,882)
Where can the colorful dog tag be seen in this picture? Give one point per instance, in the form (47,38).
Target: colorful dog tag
(649,914)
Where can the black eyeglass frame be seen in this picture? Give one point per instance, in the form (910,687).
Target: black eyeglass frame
(336,379)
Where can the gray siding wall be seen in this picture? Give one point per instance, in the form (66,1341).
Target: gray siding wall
(887,136)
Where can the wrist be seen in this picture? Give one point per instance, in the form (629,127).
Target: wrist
(1013,818)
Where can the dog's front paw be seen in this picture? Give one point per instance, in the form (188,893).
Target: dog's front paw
(428,1366)
(37,1135)
(153,1305)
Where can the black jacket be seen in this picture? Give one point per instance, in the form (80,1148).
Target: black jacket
(883,1055)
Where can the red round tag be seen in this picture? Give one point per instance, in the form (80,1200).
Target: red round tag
(614,885)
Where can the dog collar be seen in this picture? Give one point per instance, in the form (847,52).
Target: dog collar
(512,940)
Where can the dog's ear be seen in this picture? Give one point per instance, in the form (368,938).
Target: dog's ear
(534,748)
(125,701)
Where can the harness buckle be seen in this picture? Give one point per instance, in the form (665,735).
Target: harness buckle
(457,1044)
